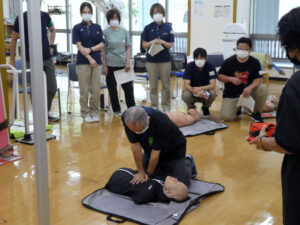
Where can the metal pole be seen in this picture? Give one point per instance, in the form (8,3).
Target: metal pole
(23,63)
(37,78)
(130,25)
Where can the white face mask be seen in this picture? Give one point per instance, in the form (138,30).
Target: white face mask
(114,23)
(143,131)
(158,17)
(86,16)
(200,62)
(242,54)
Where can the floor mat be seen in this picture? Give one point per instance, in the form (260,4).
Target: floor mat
(203,126)
(124,209)
(8,157)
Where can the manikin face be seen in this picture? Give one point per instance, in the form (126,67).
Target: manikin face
(170,187)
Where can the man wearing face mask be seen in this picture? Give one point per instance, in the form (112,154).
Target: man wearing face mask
(199,82)
(241,75)
(47,48)
(159,33)
(116,56)
(163,143)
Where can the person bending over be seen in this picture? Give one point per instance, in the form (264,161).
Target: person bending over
(163,144)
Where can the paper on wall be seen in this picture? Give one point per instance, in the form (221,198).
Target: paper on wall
(246,102)
(155,48)
(123,77)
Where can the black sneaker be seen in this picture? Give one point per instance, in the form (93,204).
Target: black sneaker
(205,111)
(52,118)
(194,169)
(257,117)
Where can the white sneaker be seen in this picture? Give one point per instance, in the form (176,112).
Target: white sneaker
(87,118)
(95,117)
(118,114)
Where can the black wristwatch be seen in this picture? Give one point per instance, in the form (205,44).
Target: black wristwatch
(149,175)
(91,49)
(51,46)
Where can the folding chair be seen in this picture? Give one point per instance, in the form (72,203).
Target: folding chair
(216,60)
(178,63)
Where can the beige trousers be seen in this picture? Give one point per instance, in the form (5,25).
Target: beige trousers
(89,85)
(190,99)
(229,108)
(163,70)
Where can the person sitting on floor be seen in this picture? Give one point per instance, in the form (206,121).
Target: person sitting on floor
(161,188)
(182,119)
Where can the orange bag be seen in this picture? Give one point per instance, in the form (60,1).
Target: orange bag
(256,127)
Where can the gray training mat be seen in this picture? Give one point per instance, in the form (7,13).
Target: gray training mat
(203,126)
(125,209)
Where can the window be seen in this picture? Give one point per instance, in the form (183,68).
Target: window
(178,11)
(286,5)
(141,13)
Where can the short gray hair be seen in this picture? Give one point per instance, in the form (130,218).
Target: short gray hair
(136,114)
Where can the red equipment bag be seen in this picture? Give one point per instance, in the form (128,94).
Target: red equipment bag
(256,127)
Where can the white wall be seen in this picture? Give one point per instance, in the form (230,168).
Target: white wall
(206,30)
(6,9)
(243,13)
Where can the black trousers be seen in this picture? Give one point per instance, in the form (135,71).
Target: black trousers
(180,169)
(113,92)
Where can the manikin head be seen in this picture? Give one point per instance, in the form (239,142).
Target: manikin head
(175,189)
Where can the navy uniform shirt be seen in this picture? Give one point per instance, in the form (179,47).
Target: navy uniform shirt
(199,77)
(89,36)
(162,135)
(45,23)
(163,31)
(246,72)
(150,191)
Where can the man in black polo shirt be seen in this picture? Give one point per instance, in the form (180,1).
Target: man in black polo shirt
(48,48)
(163,143)
(199,82)
(241,75)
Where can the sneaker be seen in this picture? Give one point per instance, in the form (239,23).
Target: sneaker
(257,117)
(52,118)
(205,111)
(118,114)
(87,118)
(194,169)
(95,117)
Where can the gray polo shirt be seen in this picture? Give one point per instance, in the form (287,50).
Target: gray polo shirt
(115,43)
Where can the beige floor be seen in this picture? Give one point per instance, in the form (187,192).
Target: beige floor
(83,156)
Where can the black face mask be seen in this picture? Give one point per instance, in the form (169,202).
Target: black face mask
(293,60)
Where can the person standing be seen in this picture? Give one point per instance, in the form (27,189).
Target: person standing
(286,138)
(47,48)
(88,37)
(116,56)
(159,65)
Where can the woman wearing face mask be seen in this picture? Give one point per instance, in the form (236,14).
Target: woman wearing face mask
(159,33)
(241,75)
(116,56)
(89,40)
(199,82)
(286,138)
